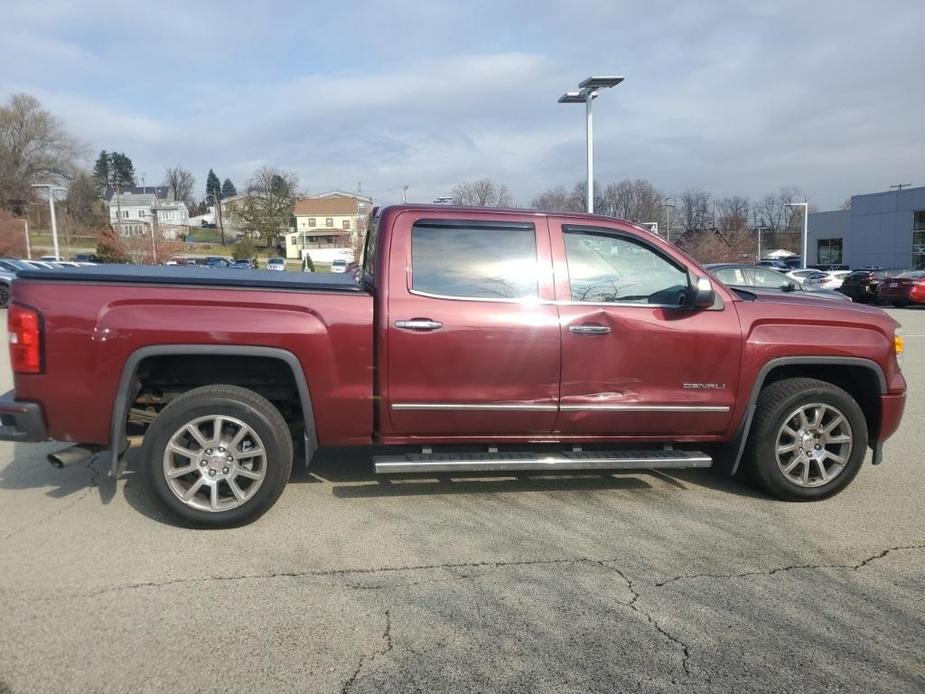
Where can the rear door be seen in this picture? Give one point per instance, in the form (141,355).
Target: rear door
(636,360)
(473,336)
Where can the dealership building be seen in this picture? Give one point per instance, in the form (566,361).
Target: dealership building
(879,229)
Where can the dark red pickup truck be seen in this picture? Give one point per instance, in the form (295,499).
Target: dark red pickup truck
(472,339)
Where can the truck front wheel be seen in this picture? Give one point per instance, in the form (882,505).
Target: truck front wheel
(808,439)
(217,457)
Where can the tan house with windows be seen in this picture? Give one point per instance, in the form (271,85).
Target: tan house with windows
(327,224)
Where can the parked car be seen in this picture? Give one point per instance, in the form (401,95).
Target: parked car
(902,290)
(571,341)
(339,265)
(834,278)
(85,258)
(244,265)
(808,278)
(214,261)
(774,265)
(862,285)
(13,265)
(758,278)
(6,281)
(278,264)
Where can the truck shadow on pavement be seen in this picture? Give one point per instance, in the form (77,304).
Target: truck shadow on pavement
(348,472)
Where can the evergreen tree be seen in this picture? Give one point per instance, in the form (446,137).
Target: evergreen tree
(228,189)
(101,172)
(122,171)
(213,188)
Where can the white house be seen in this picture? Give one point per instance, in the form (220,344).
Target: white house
(328,225)
(135,214)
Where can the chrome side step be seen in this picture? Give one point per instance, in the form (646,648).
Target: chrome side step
(565,460)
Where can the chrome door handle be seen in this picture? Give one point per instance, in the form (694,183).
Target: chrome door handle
(420,324)
(589,329)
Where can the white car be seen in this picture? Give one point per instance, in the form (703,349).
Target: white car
(278,264)
(835,278)
(338,265)
(800,276)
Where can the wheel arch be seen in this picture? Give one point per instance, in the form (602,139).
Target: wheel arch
(835,370)
(127,380)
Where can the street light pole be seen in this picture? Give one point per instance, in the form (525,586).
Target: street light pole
(668,205)
(588,90)
(589,137)
(51,206)
(805,206)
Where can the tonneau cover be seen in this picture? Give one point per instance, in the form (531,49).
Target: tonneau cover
(201,276)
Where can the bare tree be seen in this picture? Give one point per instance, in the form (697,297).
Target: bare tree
(267,205)
(181,182)
(482,193)
(34,148)
(694,210)
(558,199)
(732,214)
(637,201)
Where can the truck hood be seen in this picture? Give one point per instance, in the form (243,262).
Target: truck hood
(828,309)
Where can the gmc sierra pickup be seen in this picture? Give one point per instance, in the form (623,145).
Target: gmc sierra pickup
(468,340)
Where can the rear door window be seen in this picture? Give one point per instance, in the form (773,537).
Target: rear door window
(474,261)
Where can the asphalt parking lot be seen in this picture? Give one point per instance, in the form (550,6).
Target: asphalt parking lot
(624,582)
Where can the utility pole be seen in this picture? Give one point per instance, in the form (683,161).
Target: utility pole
(900,186)
(51,207)
(154,231)
(217,202)
(404,195)
(25,223)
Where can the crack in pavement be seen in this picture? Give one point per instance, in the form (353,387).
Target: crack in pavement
(795,567)
(92,484)
(387,643)
(309,573)
(633,604)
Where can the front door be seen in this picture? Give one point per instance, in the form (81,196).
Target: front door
(636,359)
(473,335)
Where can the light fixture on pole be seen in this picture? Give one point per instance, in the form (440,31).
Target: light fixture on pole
(805,206)
(51,206)
(668,204)
(588,90)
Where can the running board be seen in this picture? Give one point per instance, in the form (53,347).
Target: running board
(565,460)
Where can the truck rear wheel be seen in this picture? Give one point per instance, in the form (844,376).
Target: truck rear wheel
(217,457)
(808,439)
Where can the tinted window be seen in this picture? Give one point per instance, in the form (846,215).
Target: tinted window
(474,262)
(768,279)
(913,275)
(731,275)
(611,269)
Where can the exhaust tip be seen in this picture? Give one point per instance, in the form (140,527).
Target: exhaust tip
(55,462)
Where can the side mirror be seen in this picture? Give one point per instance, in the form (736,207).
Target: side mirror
(704,296)
(789,287)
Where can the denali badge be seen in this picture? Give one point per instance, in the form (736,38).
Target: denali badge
(704,386)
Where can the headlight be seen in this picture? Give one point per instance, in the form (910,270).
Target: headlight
(899,344)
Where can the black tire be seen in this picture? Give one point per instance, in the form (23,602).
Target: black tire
(4,295)
(900,304)
(775,403)
(244,405)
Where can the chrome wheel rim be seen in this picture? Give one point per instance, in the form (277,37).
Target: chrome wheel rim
(814,445)
(214,463)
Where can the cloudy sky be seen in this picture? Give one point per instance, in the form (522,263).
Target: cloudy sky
(735,97)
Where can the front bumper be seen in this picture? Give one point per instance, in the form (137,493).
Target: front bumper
(21,421)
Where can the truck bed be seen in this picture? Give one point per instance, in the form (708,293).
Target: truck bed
(199,276)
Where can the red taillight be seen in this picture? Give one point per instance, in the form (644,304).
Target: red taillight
(25,329)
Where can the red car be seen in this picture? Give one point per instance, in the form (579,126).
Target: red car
(482,339)
(907,288)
